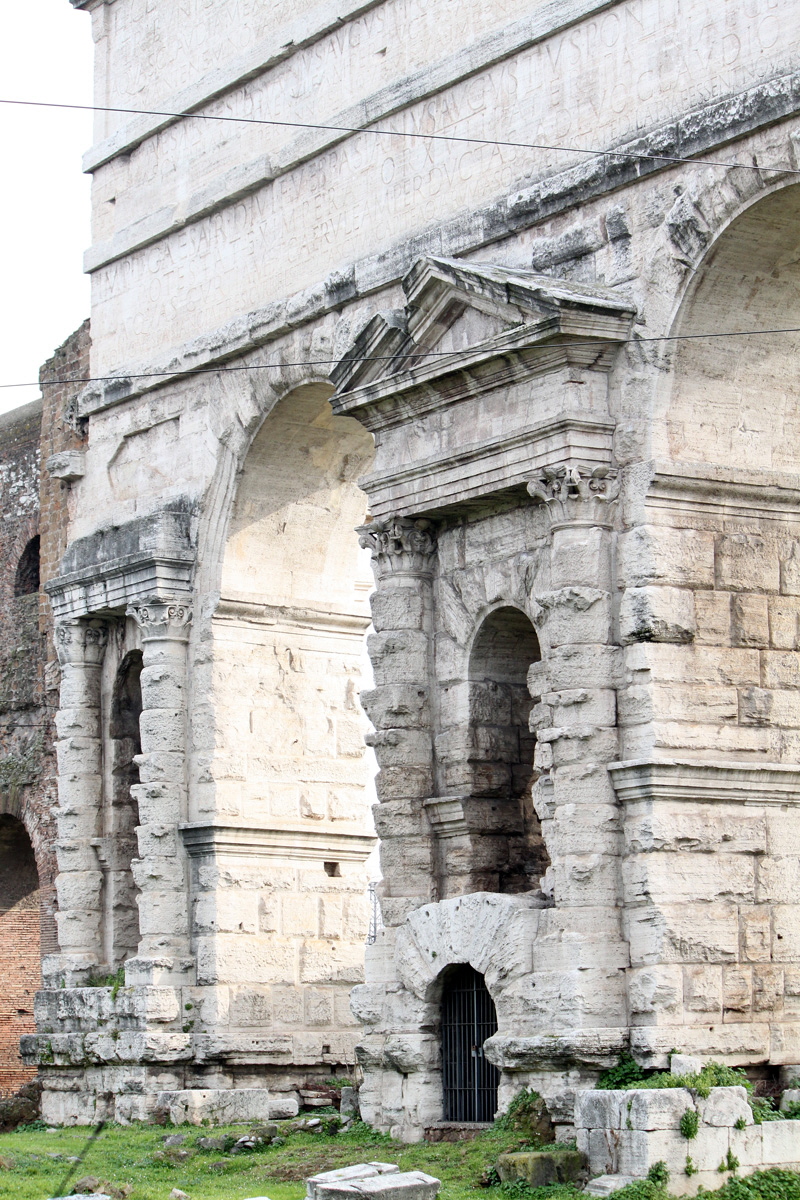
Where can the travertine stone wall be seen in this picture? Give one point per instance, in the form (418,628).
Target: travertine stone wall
(541,451)
(625,1133)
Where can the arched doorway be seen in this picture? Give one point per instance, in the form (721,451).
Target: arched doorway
(469,1017)
(20,970)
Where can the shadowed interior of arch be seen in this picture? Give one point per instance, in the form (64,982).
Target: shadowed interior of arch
(121,910)
(508,853)
(26,580)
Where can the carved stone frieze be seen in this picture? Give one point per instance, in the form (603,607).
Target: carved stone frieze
(81,642)
(162,618)
(577,494)
(400,546)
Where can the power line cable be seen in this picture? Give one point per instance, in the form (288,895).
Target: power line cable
(400,357)
(436,137)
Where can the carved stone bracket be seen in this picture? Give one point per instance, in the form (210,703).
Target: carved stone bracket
(400,546)
(577,495)
(162,619)
(81,642)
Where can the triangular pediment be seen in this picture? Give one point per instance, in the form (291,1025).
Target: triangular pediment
(455,307)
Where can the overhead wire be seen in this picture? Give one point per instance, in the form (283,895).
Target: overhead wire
(188,372)
(403,133)
(189,115)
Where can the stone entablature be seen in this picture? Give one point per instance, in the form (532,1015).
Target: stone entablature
(524,357)
(108,570)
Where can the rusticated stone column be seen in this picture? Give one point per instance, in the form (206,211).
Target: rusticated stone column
(403,558)
(80,645)
(160,872)
(575,723)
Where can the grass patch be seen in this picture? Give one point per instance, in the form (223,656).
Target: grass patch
(135,1155)
(33,1163)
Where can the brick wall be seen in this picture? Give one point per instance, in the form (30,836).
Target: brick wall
(31,505)
(19,947)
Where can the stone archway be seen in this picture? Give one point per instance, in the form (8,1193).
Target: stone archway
(280,889)
(732,400)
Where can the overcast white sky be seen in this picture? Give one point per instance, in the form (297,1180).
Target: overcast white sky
(45,54)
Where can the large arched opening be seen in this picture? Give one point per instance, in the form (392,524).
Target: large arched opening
(732,401)
(20,948)
(286,930)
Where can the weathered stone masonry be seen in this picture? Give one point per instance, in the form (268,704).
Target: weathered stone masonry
(585,628)
(32,539)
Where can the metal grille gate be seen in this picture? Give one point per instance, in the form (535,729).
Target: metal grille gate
(469,1017)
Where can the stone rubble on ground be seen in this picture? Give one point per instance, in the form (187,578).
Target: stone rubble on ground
(373,1181)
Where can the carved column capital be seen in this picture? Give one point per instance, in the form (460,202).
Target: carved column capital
(81,641)
(400,546)
(162,618)
(577,494)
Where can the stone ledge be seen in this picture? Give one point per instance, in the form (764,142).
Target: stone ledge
(201,839)
(684,779)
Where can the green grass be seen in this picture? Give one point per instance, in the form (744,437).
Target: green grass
(125,1155)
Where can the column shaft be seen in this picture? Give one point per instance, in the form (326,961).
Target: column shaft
(80,645)
(160,871)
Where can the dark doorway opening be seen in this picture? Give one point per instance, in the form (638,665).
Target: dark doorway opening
(469,1017)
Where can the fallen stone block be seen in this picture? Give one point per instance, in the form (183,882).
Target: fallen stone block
(348,1174)
(541,1167)
(85,1196)
(604,1185)
(382,1185)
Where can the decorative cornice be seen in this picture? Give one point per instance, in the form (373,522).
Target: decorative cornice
(459,816)
(113,568)
(698,782)
(577,495)
(162,618)
(540,324)
(81,642)
(259,841)
(278,617)
(717,491)
(400,546)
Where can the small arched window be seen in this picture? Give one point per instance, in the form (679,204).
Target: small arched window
(26,580)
